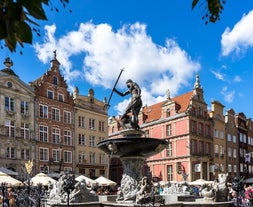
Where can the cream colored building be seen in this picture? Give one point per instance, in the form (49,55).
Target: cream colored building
(90,128)
(17,140)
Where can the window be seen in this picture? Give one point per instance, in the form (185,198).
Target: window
(10,128)
(67,117)
(234,139)
(193,146)
(92,124)
(81,139)
(56,135)
(92,157)
(168,113)
(216,150)
(221,134)
(216,133)
(24,107)
(50,94)
(235,168)
(229,152)
(56,155)
(208,131)
(81,121)
(193,126)
(169,149)
(43,111)
(229,168)
(43,133)
(55,80)
(81,157)
(55,114)
(25,154)
(201,128)
(11,152)
(25,131)
(170,173)
(201,147)
(44,154)
(221,151)
(61,97)
(168,130)
(9,104)
(101,126)
(102,159)
(234,153)
(67,156)
(92,141)
(67,137)
(229,137)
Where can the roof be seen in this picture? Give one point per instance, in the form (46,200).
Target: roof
(153,112)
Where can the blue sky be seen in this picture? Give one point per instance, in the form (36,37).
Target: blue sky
(161,44)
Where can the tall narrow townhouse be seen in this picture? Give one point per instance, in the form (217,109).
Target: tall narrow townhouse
(17,137)
(54,122)
(242,146)
(249,154)
(91,127)
(232,145)
(219,139)
(185,123)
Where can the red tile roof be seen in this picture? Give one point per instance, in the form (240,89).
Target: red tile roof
(153,112)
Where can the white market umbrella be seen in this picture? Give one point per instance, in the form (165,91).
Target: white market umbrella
(88,181)
(200,182)
(4,178)
(102,181)
(249,180)
(41,178)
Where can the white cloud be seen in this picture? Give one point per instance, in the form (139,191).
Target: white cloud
(155,68)
(240,37)
(237,79)
(218,75)
(228,95)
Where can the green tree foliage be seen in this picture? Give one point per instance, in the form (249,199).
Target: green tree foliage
(212,9)
(18,20)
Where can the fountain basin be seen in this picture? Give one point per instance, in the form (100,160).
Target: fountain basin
(130,146)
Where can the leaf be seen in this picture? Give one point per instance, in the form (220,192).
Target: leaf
(194,3)
(24,32)
(35,8)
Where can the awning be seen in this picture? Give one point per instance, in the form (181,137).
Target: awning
(7,171)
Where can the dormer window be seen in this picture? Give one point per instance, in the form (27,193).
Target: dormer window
(55,80)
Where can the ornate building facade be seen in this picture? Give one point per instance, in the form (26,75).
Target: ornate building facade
(55,129)
(17,124)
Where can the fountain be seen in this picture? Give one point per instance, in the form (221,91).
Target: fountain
(133,149)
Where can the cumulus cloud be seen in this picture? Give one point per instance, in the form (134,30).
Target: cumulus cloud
(154,67)
(239,38)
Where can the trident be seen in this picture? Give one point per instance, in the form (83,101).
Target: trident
(108,104)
